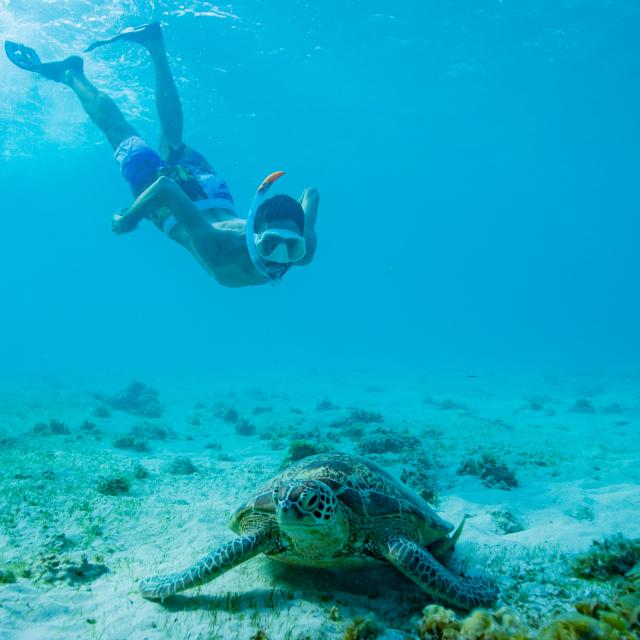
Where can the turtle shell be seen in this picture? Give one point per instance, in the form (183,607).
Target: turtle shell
(368,491)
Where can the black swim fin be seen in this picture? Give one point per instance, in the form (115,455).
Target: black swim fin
(143,33)
(22,56)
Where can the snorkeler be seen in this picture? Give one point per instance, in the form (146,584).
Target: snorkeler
(181,193)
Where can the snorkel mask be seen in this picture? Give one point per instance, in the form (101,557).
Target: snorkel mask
(273,251)
(280,245)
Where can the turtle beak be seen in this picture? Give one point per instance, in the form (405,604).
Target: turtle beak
(289,513)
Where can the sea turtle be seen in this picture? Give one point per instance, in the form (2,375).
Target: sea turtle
(336,510)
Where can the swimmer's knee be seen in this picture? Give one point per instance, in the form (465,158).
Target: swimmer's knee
(119,132)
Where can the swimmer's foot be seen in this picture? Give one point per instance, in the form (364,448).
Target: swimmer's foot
(56,70)
(26,58)
(144,34)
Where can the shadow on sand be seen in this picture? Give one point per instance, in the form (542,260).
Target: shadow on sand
(380,589)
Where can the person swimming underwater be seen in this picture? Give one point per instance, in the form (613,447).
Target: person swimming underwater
(180,192)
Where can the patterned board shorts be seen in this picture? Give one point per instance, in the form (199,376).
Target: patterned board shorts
(141,166)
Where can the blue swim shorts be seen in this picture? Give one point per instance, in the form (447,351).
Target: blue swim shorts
(141,166)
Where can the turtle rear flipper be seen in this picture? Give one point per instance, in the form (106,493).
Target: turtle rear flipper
(422,568)
(225,557)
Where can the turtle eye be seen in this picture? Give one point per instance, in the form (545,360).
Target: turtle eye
(308,502)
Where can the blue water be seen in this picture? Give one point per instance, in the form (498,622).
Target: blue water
(477,165)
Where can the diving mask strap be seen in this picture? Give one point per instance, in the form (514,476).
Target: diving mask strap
(271,271)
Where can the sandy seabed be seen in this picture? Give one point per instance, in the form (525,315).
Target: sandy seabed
(93,498)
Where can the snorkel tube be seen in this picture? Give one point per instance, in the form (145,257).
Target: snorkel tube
(271,270)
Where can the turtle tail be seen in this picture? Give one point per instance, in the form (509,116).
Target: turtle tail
(225,557)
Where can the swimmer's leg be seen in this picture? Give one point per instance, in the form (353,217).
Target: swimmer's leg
(167,100)
(168,103)
(99,107)
(70,71)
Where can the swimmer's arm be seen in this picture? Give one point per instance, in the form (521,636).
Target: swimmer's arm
(309,202)
(206,241)
(151,199)
(164,192)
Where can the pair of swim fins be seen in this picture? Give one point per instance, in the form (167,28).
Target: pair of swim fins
(28,59)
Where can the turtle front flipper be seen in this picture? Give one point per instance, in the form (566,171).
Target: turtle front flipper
(225,557)
(420,566)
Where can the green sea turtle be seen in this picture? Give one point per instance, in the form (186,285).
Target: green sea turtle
(336,510)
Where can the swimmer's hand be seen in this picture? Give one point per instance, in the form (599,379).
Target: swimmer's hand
(309,201)
(122,224)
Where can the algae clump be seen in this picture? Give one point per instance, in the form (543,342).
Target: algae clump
(617,619)
(299,449)
(114,486)
(438,623)
(613,556)
(367,628)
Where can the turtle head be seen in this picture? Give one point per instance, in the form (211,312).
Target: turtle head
(309,513)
